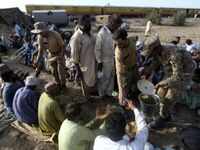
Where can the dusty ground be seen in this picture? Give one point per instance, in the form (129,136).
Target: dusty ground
(12,139)
(167,31)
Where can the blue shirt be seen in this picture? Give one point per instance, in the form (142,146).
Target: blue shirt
(28,48)
(8,94)
(25,105)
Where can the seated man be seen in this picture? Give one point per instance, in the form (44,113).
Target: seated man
(115,129)
(9,88)
(190,45)
(49,112)
(25,102)
(73,136)
(176,40)
(3,69)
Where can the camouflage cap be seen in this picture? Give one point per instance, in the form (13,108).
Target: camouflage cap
(150,43)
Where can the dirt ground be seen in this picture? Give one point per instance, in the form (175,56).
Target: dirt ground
(167,31)
(12,139)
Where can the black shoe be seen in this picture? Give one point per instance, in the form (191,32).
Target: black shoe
(157,124)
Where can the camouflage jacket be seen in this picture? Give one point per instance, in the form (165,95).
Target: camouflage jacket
(178,64)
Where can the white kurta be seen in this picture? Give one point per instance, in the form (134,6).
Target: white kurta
(104,51)
(104,143)
(148,28)
(82,53)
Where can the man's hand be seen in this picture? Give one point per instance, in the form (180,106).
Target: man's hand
(161,84)
(53,59)
(130,104)
(121,98)
(100,66)
(35,64)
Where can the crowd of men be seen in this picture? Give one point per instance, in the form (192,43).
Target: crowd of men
(100,61)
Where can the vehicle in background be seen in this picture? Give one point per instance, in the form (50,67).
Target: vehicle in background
(57,17)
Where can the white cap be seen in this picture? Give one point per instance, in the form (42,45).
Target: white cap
(31,81)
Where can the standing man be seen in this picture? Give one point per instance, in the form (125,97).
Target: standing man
(53,42)
(126,67)
(17,29)
(148,28)
(104,51)
(82,46)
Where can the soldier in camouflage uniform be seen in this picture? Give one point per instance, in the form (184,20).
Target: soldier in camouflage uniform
(178,66)
(126,67)
(51,42)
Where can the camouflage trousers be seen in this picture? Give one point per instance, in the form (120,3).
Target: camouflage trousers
(174,92)
(127,82)
(57,68)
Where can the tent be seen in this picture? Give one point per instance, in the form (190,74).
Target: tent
(10,15)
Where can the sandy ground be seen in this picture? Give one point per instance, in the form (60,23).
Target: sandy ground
(12,139)
(167,31)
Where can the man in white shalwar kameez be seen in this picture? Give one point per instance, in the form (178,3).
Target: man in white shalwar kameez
(104,51)
(148,28)
(82,46)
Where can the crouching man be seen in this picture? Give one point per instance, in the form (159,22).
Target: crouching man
(116,138)
(178,69)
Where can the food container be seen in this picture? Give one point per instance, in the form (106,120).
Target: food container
(149,105)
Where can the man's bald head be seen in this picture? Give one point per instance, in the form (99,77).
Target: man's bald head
(52,88)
